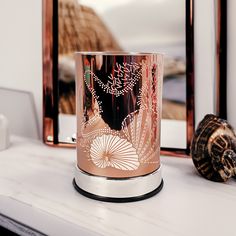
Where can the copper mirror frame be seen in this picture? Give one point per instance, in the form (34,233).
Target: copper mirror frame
(50,75)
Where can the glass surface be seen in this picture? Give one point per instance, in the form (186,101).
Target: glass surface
(131,26)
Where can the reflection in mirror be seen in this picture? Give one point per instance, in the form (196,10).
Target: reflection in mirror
(126,25)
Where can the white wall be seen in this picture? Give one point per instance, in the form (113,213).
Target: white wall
(146,26)
(21,48)
(231,65)
(204,42)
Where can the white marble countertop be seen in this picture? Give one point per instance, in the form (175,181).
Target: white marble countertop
(36,192)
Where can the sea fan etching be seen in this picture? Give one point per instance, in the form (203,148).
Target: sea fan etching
(113,151)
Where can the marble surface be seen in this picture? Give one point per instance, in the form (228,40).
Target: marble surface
(36,190)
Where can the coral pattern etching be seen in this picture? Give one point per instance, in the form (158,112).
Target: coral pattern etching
(127,74)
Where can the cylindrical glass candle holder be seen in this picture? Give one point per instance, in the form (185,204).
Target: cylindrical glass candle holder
(118,100)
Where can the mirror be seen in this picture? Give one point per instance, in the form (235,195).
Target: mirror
(127,25)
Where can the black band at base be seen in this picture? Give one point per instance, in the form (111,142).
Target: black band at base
(118,200)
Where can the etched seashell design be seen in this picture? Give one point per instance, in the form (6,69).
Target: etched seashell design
(113,151)
(140,131)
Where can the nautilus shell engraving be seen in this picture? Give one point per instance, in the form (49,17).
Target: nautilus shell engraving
(113,151)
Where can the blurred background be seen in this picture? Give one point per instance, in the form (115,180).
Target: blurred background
(126,25)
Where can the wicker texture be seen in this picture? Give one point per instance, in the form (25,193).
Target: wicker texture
(80,29)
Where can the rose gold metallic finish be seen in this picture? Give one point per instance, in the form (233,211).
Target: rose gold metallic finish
(118,101)
(190,71)
(189,84)
(48,91)
(47,70)
(217,80)
(48,63)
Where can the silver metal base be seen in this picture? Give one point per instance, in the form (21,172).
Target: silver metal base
(113,188)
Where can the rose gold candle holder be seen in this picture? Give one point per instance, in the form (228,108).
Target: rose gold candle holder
(118,98)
